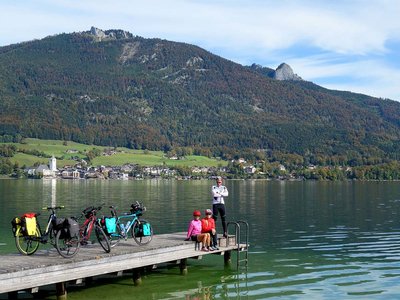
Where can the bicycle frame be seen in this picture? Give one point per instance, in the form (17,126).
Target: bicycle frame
(90,224)
(87,228)
(49,228)
(133,218)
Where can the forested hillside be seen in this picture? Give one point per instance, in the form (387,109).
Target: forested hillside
(115,89)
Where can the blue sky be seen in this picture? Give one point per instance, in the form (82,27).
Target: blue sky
(350,45)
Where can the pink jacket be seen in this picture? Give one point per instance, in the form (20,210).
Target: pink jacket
(194,228)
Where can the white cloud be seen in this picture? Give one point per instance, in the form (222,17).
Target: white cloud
(373,77)
(345,27)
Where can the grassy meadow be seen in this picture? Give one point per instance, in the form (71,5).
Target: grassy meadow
(61,149)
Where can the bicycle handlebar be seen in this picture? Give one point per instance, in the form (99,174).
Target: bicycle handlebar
(53,207)
(92,209)
(113,211)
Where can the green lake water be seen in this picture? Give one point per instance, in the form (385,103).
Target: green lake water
(308,240)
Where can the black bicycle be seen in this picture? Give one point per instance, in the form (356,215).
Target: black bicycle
(62,233)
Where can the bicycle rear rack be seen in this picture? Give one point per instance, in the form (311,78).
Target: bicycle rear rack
(239,234)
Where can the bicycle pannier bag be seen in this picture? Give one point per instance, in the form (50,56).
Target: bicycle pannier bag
(60,225)
(144,229)
(111,225)
(30,223)
(72,227)
(16,223)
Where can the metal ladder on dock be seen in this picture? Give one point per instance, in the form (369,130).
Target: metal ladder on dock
(242,251)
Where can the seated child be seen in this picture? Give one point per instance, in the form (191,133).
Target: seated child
(194,232)
(208,226)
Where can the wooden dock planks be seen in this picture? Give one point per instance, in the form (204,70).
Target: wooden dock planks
(19,272)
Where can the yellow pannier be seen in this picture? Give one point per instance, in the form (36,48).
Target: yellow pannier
(30,223)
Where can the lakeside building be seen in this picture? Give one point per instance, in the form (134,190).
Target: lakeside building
(44,171)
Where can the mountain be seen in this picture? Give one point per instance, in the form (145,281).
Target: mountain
(282,72)
(114,88)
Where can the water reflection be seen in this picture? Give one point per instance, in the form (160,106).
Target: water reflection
(50,192)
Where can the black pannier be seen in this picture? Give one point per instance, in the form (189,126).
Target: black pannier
(16,223)
(58,225)
(72,227)
(69,227)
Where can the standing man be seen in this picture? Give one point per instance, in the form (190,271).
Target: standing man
(218,193)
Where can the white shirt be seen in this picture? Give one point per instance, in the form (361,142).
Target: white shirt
(218,193)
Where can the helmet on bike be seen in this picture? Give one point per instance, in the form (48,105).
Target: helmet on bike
(196,213)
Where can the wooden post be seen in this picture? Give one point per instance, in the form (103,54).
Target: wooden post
(13,295)
(41,294)
(137,276)
(61,291)
(88,281)
(227,258)
(183,266)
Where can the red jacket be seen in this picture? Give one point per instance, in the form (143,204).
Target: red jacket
(207,224)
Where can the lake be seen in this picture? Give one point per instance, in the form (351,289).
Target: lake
(308,240)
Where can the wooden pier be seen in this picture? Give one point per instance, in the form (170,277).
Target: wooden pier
(46,267)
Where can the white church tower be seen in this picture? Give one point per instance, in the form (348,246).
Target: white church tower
(53,164)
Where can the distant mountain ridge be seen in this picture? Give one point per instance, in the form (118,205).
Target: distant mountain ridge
(113,88)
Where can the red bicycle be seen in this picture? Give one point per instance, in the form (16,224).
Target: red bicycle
(91,222)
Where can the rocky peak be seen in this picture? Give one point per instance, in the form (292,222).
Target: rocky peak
(285,72)
(101,35)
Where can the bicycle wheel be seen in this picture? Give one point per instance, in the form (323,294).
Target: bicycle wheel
(115,237)
(27,245)
(102,238)
(138,236)
(67,247)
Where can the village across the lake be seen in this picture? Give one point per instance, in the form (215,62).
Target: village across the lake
(126,171)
